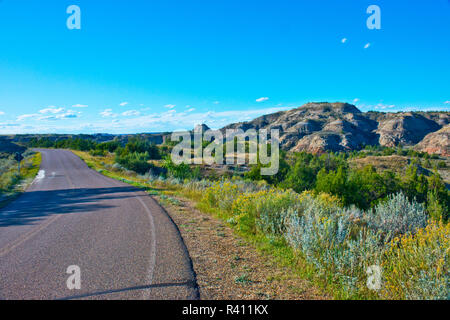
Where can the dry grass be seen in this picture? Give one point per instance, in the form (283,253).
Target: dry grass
(395,163)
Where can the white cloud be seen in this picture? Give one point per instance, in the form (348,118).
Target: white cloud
(367,45)
(191,110)
(79,106)
(384,106)
(447,102)
(170,106)
(69,114)
(355,100)
(50,113)
(2,113)
(344,40)
(262,99)
(123,104)
(51,109)
(25,116)
(108,113)
(216,102)
(131,113)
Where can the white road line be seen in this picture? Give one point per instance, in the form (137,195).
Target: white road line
(40,176)
(151,268)
(152,264)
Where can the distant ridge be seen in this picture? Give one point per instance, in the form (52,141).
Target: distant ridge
(320,127)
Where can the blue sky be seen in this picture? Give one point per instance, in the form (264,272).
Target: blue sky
(148,66)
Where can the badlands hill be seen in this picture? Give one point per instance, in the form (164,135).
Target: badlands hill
(319,127)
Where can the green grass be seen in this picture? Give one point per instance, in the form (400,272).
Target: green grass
(13,185)
(243,279)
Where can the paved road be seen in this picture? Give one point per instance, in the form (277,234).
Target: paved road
(124,243)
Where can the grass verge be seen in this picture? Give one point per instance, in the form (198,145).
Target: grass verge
(18,183)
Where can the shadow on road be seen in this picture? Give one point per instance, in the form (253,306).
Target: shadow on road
(34,206)
(189,284)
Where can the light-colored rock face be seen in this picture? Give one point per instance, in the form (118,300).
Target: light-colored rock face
(436,142)
(406,129)
(318,127)
(319,143)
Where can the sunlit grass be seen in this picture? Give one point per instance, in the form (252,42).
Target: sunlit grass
(12,184)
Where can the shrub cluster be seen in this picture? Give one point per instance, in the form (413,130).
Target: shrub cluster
(341,243)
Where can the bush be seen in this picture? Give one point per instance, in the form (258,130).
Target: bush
(221,195)
(97,153)
(263,211)
(110,146)
(417,266)
(137,162)
(397,216)
(333,240)
(181,171)
(138,145)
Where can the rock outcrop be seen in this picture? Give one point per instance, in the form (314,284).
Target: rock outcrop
(436,142)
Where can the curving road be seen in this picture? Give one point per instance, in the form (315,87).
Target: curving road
(124,243)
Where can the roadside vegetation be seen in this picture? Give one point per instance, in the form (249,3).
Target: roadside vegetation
(11,182)
(322,216)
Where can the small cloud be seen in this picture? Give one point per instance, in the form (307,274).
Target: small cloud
(8,125)
(355,100)
(367,45)
(447,102)
(107,113)
(25,116)
(216,102)
(131,113)
(69,114)
(80,106)
(170,106)
(191,110)
(2,113)
(344,40)
(384,106)
(51,109)
(262,99)
(123,104)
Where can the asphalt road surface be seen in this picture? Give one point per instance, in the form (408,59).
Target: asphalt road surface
(124,243)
